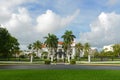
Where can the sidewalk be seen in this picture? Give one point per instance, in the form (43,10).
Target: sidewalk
(115,63)
(19,62)
(98,62)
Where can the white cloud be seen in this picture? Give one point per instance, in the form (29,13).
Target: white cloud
(51,22)
(20,25)
(21,18)
(11,3)
(105,30)
(18,20)
(8,7)
(4,14)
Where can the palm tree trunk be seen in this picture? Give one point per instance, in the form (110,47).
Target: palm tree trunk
(68,55)
(37,53)
(31,58)
(89,58)
(51,54)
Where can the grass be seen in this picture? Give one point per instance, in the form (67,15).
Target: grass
(59,75)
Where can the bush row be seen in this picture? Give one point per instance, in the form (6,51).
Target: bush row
(47,61)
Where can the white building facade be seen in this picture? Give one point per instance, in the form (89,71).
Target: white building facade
(60,54)
(108,48)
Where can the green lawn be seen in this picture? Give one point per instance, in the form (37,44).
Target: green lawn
(59,75)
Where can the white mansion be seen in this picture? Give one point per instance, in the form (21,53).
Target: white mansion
(108,48)
(61,55)
(60,52)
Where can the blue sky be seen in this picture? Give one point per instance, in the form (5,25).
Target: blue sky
(90,20)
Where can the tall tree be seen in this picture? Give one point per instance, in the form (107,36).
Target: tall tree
(52,43)
(8,43)
(79,48)
(37,46)
(86,49)
(68,38)
(102,55)
(116,50)
(14,45)
(30,47)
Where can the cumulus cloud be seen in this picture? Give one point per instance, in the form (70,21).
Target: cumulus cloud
(51,22)
(20,25)
(8,7)
(105,30)
(18,20)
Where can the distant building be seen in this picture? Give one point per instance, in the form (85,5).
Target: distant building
(108,48)
(93,51)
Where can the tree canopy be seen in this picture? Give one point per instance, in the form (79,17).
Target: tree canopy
(51,42)
(8,44)
(68,38)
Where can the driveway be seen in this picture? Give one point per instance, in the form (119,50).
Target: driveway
(59,66)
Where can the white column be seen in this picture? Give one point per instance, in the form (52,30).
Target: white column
(73,52)
(31,58)
(63,56)
(57,56)
(89,58)
(51,58)
(39,53)
(68,56)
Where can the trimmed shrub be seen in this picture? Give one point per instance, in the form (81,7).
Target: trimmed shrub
(47,61)
(73,61)
(22,56)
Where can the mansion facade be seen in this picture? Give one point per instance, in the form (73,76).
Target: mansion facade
(60,54)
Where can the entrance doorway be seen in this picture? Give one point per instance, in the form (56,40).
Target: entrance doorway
(60,56)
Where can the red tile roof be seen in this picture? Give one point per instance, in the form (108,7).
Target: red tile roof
(43,46)
(60,42)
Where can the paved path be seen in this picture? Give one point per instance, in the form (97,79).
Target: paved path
(60,66)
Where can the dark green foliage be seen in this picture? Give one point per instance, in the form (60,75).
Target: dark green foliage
(68,39)
(73,61)
(116,49)
(51,42)
(8,44)
(47,61)
(22,56)
(44,55)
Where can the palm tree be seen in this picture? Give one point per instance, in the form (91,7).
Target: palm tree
(87,50)
(79,48)
(116,49)
(31,55)
(68,38)
(64,46)
(30,46)
(52,43)
(37,46)
(102,55)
